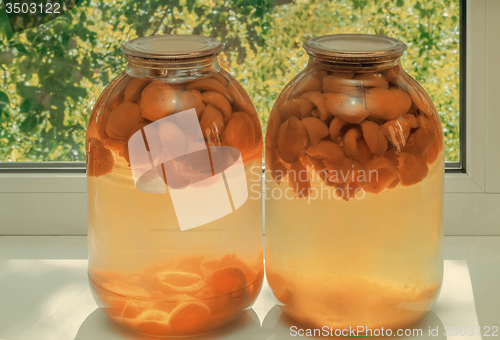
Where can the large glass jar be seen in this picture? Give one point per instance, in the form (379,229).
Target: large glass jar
(174,162)
(354,197)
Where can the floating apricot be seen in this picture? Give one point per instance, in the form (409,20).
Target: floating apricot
(132,310)
(335,128)
(134,88)
(355,146)
(292,140)
(240,132)
(219,101)
(158,101)
(432,154)
(178,282)
(100,161)
(371,80)
(173,139)
(298,178)
(326,150)
(423,137)
(318,100)
(339,83)
(306,84)
(412,169)
(189,317)
(387,104)
(374,138)
(342,171)
(397,130)
(122,120)
(379,173)
(313,162)
(154,322)
(191,99)
(316,129)
(297,107)
(352,110)
(274,164)
(208,84)
(231,279)
(114,144)
(233,260)
(273,124)
(221,79)
(212,123)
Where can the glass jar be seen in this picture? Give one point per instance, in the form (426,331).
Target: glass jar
(174,159)
(354,189)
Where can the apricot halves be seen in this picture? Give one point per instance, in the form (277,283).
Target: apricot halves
(292,140)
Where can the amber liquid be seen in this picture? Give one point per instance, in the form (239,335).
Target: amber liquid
(373,262)
(134,238)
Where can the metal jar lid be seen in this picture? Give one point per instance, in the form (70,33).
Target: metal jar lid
(172,47)
(355,47)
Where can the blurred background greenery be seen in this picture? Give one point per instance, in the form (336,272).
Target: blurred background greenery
(51,75)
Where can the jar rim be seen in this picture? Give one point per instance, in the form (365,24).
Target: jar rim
(172,47)
(355,47)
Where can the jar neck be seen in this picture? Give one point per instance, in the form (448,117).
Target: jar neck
(179,70)
(355,66)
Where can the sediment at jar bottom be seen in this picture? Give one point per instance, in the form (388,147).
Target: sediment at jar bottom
(225,113)
(349,301)
(330,123)
(184,297)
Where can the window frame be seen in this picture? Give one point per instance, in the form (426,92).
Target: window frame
(55,196)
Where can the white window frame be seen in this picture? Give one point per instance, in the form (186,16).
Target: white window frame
(56,203)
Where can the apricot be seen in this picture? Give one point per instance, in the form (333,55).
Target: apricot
(318,100)
(379,174)
(372,80)
(134,88)
(412,169)
(132,310)
(292,140)
(189,317)
(154,322)
(374,137)
(340,83)
(355,146)
(218,101)
(208,84)
(342,171)
(316,129)
(432,154)
(397,130)
(423,137)
(228,280)
(306,84)
(212,123)
(221,79)
(158,100)
(173,139)
(114,144)
(352,111)
(178,282)
(313,162)
(240,132)
(122,120)
(387,104)
(298,178)
(233,260)
(335,129)
(100,161)
(191,99)
(273,124)
(273,163)
(297,107)
(326,150)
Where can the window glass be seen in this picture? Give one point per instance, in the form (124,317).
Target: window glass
(50,75)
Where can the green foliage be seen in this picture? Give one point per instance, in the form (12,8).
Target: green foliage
(51,75)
